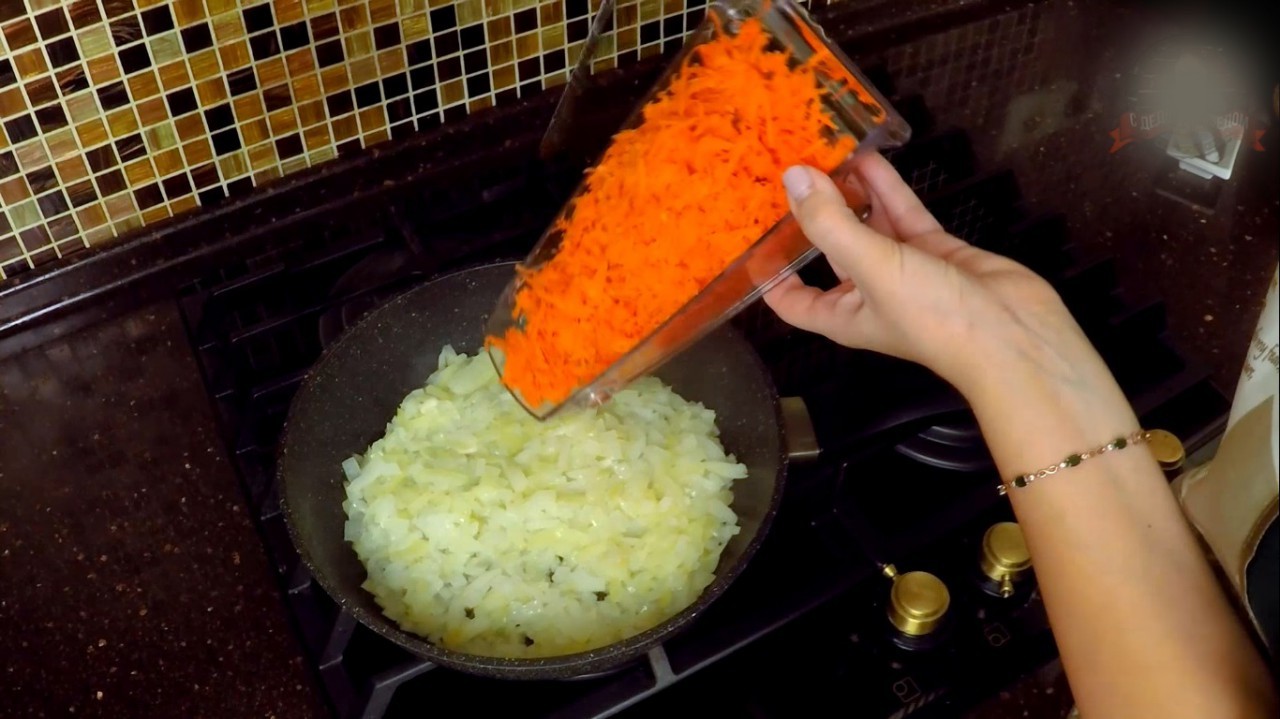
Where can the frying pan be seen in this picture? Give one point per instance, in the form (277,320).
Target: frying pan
(355,388)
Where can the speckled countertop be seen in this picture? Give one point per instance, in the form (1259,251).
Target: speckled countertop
(132,583)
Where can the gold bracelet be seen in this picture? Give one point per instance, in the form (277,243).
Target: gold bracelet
(1072,460)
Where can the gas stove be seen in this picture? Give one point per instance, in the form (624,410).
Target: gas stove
(903,485)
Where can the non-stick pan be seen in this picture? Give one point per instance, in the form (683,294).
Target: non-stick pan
(355,388)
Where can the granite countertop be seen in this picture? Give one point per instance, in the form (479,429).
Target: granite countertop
(132,581)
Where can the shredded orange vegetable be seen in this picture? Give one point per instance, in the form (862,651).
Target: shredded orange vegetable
(668,207)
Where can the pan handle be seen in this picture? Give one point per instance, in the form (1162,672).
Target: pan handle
(797,429)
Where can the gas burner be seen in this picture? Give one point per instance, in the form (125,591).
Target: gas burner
(954,445)
(367,285)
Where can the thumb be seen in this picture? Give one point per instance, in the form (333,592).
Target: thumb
(825,217)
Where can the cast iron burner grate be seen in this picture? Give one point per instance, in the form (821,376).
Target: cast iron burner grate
(904,478)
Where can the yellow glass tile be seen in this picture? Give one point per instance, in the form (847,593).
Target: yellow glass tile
(522,4)
(174,75)
(91,216)
(527,45)
(155,214)
(204,64)
(161,137)
(165,48)
(315,7)
(672,7)
(248,107)
(650,50)
(293,165)
(262,156)
(333,79)
(283,121)
(30,64)
(604,64)
(287,11)
(197,152)
(72,169)
(391,61)
(233,165)
(504,77)
(483,103)
(606,47)
(574,51)
(92,132)
(501,52)
(148,3)
(494,8)
(311,113)
(12,102)
(381,11)
(552,37)
(650,10)
(94,41)
(452,92)
(306,88)
(355,17)
(227,26)
(151,112)
(183,204)
(139,172)
(123,122)
(143,85)
(169,162)
(189,127)
(25,214)
(32,156)
(4,141)
(265,175)
(271,72)
(408,7)
(83,106)
(234,55)
(62,144)
(358,44)
(211,92)
(300,62)
(627,38)
(470,12)
(322,155)
(555,79)
(500,28)
(626,15)
(103,70)
(376,137)
(316,137)
(415,28)
(188,11)
(127,224)
(550,13)
(255,131)
(364,70)
(438,3)
(344,128)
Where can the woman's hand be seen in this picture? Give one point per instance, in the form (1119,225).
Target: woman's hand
(1127,590)
(911,290)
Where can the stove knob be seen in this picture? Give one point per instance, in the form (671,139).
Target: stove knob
(1005,558)
(918,602)
(1167,449)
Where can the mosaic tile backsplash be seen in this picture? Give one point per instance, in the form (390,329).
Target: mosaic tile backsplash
(120,113)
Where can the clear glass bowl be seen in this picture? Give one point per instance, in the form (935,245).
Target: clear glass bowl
(857,109)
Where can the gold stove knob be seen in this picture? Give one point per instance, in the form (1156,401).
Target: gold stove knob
(1005,558)
(1167,449)
(918,602)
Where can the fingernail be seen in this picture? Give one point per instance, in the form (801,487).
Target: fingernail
(798,181)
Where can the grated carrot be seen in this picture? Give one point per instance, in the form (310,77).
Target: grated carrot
(672,202)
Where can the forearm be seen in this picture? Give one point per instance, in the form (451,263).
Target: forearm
(1143,627)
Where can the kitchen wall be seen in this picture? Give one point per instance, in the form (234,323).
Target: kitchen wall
(121,113)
